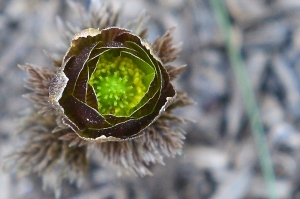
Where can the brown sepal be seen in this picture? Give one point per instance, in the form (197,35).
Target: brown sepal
(165,48)
(136,155)
(174,72)
(38,82)
(181,100)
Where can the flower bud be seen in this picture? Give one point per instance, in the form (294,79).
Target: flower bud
(110,86)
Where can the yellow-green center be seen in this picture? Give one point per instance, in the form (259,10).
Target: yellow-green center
(118,84)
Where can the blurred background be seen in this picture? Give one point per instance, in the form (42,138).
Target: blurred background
(220,155)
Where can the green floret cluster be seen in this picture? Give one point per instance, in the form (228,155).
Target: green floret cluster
(118,84)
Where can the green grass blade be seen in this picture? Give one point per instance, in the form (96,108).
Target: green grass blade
(250,102)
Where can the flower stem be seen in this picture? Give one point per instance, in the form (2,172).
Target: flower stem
(252,110)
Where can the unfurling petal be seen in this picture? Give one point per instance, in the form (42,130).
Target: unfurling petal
(111,85)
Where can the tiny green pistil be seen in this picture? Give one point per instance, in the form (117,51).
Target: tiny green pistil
(118,85)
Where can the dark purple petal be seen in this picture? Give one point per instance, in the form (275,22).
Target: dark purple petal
(91,36)
(91,98)
(82,115)
(80,90)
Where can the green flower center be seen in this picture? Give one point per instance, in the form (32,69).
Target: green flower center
(119,85)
